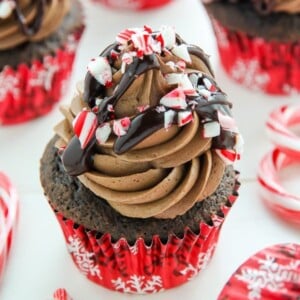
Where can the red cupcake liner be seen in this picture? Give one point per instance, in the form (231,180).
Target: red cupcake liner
(270,67)
(133,4)
(142,268)
(30,91)
(273,273)
(61,294)
(9,206)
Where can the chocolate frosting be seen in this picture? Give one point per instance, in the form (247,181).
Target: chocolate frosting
(266,7)
(30,20)
(154,166)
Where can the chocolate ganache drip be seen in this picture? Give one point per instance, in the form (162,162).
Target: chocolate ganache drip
(149,126)
(78,160)
(34,27)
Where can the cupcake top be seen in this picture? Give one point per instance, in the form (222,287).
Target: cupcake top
(28,20)
(268,6)
(149,131)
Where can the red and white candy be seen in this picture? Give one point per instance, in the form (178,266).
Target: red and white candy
(276,197)
(100,69)
(168,36)
(9,206)
(61,294)
(84,126)
(228,156)
(102,133)
(278,130)
(175,99)
(182,52)
(121,126)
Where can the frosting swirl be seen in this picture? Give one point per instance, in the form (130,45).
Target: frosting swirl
(150,131)
(266,7)
(28,20)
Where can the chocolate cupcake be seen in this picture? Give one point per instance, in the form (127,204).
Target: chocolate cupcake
(38,40)
(259,42)
(139,172)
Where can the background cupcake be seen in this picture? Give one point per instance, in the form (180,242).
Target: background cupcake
(38,40)
(139,173)
(259,42)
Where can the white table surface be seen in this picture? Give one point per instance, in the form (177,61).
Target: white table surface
(39,262)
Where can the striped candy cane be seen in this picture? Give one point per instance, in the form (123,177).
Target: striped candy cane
(274,195)
(8,217)
(278,129)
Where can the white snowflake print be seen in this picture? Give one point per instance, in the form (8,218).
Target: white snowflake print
(289,90)
(8,84)
(249,73)
(139,284)
(83,258)
(134,249)
(44,76)
(270,275)
(203,260)
(221,35)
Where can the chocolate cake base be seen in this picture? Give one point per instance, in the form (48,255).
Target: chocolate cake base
(67,195)
(242,17)
(29,51)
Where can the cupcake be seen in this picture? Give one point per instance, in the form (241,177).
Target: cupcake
(259,42)
(36,55)
(140,171)
(133,4)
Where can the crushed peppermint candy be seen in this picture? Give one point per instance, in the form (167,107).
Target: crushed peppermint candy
(121,126)
(184,117)
(84,126)
(169,117)
(211,129)
(175,99)
(102,133)
(100,68)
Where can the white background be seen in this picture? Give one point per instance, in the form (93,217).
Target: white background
(39,262)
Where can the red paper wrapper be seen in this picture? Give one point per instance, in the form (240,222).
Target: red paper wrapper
(8,218)
(133,4)
(142,269)
(273,273)
(30,91)
(270,67)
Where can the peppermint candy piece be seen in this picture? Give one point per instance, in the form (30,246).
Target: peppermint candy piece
(184,117)
(61,294)
(227,122)
(84,126)
(175,99)
(169,118)
(211,129)
(121,126)
(124,36)
(101,70)
(102,133)
(228,156)
(6,8)
(183,81)
(182,52)
(168,36)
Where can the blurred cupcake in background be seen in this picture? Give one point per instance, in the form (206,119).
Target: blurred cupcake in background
(38,40)
(132,4)
(259,42)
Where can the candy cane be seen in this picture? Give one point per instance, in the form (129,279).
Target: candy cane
(8,217)
(278,130)
(275,196)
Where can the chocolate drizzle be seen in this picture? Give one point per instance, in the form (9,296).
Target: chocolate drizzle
(30,29)
(77,160)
